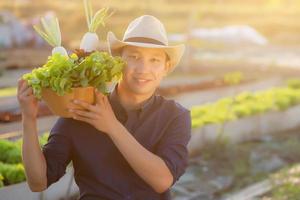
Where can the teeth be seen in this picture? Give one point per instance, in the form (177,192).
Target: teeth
(142,80)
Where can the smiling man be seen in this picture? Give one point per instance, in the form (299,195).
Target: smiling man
(132,144)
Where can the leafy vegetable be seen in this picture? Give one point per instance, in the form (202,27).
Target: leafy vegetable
(12,173)
(294,83)
(94,21)
(51,32)
(233,78)
(10,152)
(245,104)
(61,73)
(1,180)
(11,167)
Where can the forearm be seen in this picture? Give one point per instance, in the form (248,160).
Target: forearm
(150,167)
(33,158)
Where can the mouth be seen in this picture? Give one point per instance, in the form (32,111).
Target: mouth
(141,80)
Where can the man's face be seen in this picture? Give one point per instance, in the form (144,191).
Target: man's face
(145,69)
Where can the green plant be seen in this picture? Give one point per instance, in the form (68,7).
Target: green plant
(50,32)
(11,167)
(244,104)
(12,173)
(90,40)
(43,139)
(294,83)
(10,152)
(1,181)
(94,21)
(61,73)
(233,78)
(286,183)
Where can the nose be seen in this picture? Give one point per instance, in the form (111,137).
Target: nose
(143,66)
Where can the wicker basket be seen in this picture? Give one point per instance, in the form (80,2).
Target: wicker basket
(59,104)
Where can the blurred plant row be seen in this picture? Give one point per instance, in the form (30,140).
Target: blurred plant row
(247,104)
(11,167)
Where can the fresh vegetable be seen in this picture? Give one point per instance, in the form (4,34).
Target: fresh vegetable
(51,34)
(10,152)
(245,104)
(1,180)
(54,74)
(12,173)
(293,83)
(233,78)
(90,40)
(11,167)
(61,73)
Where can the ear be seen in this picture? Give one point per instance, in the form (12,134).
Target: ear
(167,67)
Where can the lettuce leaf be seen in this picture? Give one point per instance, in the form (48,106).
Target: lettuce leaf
(62,73)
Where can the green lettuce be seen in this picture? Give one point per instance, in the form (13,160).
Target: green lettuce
(62,73)
(12,173)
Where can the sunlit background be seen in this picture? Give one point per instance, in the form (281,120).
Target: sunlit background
(239,76)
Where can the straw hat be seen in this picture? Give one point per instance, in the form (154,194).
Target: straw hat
(146,31)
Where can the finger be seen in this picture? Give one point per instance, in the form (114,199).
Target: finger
(106,98)
(28,92)
(28,98)
(99,97)
(106,101)
(23,86)
(25,93)
(20,83)
(86,114)
(85,105)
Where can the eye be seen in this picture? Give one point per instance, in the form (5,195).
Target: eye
(133,57)
(155,60)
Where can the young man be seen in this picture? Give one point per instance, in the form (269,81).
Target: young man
(129,145)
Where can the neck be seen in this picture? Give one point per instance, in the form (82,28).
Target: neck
(129,100)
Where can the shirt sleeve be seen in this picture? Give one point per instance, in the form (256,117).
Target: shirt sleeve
(173,146)
(57,151)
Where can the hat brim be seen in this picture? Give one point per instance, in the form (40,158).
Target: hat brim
(175,52)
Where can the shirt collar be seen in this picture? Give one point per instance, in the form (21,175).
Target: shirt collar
(113,96)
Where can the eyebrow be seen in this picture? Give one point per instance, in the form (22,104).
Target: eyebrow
(137,51)
(158,55)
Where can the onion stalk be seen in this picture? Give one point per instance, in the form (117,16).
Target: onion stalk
(90,40)
(50,32)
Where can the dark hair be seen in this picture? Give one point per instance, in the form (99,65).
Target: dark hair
(120,50)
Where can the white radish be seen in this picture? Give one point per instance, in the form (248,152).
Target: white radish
(90,40)
(61,50)
(51,34)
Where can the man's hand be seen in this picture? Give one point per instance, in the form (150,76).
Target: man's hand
(28,102)
(101,115)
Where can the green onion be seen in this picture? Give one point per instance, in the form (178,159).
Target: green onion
(50,32)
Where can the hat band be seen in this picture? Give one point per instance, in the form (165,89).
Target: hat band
(144,40)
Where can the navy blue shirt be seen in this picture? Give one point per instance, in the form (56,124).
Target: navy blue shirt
(101,172)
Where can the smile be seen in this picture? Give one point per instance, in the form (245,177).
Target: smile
(140,80)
